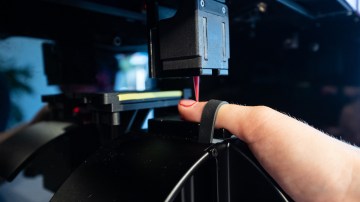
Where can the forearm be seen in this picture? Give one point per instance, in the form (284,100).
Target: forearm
(7,134)
(40,115)
(308,164)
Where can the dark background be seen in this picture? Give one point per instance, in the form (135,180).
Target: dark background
(282,57)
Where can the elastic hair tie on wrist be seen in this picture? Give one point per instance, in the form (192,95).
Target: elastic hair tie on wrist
(208,119)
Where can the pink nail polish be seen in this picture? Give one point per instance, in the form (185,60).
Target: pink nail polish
(187,103)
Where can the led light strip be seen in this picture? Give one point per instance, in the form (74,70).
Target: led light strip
(149,95)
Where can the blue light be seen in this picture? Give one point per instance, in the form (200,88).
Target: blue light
(353,4)
(139,59)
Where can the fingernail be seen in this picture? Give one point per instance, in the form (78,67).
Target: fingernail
(187,103)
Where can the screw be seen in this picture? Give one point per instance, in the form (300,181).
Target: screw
(214,153)
(223,10)
(202,3)
(117,41)
(262,7)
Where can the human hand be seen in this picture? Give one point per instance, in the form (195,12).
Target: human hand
(237,119)
(290,149)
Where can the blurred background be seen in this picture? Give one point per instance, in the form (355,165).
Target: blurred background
(300,57)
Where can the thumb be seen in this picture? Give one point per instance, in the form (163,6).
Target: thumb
(191,110)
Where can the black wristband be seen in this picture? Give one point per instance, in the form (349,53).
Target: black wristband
(208,119)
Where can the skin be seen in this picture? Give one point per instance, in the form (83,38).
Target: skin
(41,115)
(308,164)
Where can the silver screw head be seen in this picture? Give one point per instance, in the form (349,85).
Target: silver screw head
(223,10)
(202,3)
(117,41)
(262,7)
(214,153)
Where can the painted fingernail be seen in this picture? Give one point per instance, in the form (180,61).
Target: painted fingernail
(187,103)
